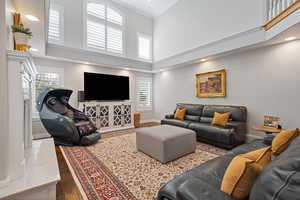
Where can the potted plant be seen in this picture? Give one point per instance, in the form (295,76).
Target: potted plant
(21,35)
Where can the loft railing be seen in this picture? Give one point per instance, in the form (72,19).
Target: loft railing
(277,10)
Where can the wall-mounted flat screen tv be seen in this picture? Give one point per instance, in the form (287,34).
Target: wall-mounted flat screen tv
(104,87)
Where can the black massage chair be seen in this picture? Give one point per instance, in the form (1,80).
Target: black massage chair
(65,124)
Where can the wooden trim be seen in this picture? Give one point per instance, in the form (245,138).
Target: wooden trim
(292,8)
(266,129)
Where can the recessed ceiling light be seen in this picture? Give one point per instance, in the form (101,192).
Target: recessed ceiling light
(32,18)
(33,49)
(203,60)
(86,63)
(127,68)
(290,38)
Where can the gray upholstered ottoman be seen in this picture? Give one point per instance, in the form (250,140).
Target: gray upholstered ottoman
(165,143)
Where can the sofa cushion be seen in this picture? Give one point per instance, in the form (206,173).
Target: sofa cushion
(280,180)
(176,122)
(193,111)
(220,119)
(238,113)
(261,156)
(216,133)
(245,148)
(283,140)
(240,176)
(211,173)
(196,189)
(180,114)
(243,170)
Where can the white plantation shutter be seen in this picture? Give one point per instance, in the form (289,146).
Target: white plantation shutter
(114,17)
(96,10)
(144,93)
(114,40)
(55,29)
(144,47)
(104,27)
(95,35)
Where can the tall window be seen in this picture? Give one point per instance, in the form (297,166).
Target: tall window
(44,80)
(104,27)
(47,77)
(56,24)
(145,47)
(144,93)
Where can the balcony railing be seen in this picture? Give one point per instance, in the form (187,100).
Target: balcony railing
(277,10)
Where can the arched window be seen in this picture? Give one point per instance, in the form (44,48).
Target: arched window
(104,27)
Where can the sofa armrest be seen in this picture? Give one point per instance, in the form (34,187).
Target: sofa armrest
(240,129)
(170,116)
(195,189)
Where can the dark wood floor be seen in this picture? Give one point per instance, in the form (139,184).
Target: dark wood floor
(67,189)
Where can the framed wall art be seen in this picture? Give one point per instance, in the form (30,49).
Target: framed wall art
(211,84)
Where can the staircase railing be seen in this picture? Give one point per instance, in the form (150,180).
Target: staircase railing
(277,10)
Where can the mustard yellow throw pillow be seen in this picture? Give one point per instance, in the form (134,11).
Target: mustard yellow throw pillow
(220,119)
(283,140)
(180,114)
(261,156)
(242,172)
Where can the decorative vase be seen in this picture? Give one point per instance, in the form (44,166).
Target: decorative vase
(21,40)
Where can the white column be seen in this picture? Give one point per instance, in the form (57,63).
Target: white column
(4,137)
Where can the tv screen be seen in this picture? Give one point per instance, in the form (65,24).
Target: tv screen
(104,87)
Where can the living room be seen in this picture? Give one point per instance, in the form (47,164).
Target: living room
(149,99)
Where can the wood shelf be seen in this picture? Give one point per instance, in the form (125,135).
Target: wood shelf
(292,8)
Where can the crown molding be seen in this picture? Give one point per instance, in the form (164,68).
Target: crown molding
(23,57)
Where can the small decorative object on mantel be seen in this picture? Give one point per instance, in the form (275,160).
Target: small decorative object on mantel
(21,34)
(271,121)
(211,84)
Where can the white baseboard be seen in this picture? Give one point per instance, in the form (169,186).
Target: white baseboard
(38,136)
(4,182)
(101,130)
(150,120)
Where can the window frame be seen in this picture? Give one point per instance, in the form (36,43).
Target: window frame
(144,108)
(106,24)
(138,47)
(61,11)
(44,69)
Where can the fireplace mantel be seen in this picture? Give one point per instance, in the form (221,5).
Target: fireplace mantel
(32,165)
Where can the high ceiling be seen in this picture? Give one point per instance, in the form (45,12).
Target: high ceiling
(152,8)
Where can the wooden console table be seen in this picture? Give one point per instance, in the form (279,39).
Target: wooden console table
(267,130)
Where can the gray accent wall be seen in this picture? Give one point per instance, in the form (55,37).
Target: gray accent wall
(265,80)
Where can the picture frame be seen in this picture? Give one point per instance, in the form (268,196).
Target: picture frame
(271,121)
(211,84)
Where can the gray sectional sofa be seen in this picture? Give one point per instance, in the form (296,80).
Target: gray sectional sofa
(280,180)
(199,117)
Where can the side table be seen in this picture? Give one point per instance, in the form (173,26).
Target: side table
(269,131)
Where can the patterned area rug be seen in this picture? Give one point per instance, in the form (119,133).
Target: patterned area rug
(113,169)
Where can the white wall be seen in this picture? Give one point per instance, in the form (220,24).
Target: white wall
(74,78)
(3,92)
(74,27)
(5,43)
(265,80)
(193,23)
